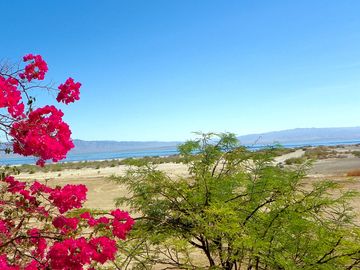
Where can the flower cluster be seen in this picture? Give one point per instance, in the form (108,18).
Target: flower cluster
(42,134)
(63,198)
(122,223)
(69,91)
(36,69)
(10,97)
(76,253)
(68,197)
(39,243)
(55,244)
(64,224)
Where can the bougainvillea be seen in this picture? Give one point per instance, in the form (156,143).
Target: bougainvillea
(69,91)
(10,96)
(38,226)
(36,69)
(61,244)
(43,134)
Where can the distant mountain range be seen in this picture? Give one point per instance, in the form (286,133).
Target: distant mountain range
(306,135)
(119,146)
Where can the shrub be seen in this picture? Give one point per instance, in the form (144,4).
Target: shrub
(236,210)
(320,152)
(295,160)
(356,153)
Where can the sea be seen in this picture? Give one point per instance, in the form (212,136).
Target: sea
(11,160)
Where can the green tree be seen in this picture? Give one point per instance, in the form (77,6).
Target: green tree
(237,210)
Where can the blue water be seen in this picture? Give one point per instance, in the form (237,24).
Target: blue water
(161,152)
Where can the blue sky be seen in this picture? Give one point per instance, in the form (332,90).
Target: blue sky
(159,70)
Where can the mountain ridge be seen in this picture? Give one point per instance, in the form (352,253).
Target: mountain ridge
(303,135)
(82,146)
(281,136)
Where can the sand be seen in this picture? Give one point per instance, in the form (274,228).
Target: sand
(102,192)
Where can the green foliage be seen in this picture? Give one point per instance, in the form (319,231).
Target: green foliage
(236,210)
(278,150)
(58,167)
(320,152)
(295,160)
(356,153)
(8,170)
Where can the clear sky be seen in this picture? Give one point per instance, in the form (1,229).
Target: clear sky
(159,70)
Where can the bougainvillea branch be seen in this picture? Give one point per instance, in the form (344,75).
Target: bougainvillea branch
(38,229)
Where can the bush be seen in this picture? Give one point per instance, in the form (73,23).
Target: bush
(320,152)
(237,210)
(356,153)
(295,160)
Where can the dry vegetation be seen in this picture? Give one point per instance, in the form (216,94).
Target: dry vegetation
(61,166)
(334,163)
(355,172)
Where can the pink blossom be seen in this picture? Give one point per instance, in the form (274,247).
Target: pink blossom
(65,224)
(68,197)
(42,134)
(121,224)
(104,249)
(36,69)
(70,254)
(69,91)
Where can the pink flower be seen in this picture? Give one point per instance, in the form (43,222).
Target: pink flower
(27,196)
(121,224)
(92,221)
(70,254)
(43,134)
(10,97)
(104,249)
(4,264)
(85,215)
(65,224)
(36,69)
(38,241)
(68,197)
(33,265)
(103,220)
(37,187)
(14,185)
(69,91)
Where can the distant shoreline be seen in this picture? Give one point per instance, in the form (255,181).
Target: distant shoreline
(118,156)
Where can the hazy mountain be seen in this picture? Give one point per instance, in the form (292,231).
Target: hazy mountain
(306,135)
(298,135)
(119,146)
(303,135)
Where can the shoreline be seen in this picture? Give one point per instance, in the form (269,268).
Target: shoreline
(19,161)
(102,192)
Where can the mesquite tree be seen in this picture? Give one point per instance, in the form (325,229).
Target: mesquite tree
(38,229)
(237,210)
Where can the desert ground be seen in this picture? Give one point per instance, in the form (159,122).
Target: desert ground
(102,192)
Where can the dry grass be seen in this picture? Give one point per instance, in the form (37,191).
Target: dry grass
(355,172)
